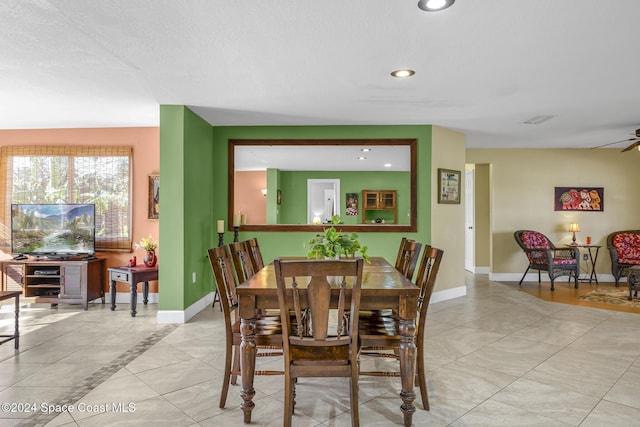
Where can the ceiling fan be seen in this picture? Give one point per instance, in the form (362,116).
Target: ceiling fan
(635,142)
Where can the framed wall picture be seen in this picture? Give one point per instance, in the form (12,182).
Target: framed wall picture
(590,199)
(448,186)
(351,204)
(154,197)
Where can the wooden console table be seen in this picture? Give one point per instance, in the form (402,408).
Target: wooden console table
(132,276)
(16,334)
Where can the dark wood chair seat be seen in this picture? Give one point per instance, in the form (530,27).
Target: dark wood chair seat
(268,335)
(380,334)
(315,288)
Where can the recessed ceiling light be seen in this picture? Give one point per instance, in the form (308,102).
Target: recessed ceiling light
(361,158)
(403,72)
(387,165)
(365,149)
(434,5)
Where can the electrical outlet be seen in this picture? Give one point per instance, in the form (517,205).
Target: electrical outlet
(585,257)
(193,276)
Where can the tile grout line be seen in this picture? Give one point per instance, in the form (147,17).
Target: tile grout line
(99,376)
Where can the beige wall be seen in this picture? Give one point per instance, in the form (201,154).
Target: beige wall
(482,219)
(522,197)
(447,220)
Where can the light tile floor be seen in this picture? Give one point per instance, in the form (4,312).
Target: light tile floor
(497,357)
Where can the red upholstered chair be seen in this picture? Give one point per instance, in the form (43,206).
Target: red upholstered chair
(624,249)
(544,255)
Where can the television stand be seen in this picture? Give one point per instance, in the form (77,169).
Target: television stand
(57,281)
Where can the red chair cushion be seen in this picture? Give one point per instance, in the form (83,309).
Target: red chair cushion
(628,247)
(533,239)
(536,240)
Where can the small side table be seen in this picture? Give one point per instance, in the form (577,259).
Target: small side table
(16,334)
(132,276)
(633,281)
(593,251)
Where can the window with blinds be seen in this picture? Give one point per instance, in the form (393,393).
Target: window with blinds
(98,175)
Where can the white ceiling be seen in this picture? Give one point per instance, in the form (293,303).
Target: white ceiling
(338,158)
(483,67)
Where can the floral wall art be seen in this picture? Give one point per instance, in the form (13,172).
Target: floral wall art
(579,199)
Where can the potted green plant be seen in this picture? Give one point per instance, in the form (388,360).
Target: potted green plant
(334,244)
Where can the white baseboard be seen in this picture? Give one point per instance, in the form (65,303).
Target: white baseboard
(183,316)
(479,270)
(448,294)
(125,297)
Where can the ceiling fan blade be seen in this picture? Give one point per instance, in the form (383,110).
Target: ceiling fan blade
(632,146)
(616,142)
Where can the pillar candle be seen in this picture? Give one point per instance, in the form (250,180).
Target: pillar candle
(236,220)
(221,226)
(243,219)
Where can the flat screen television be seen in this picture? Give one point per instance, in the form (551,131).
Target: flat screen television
(53,230)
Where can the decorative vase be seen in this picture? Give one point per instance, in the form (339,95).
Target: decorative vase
(150,259)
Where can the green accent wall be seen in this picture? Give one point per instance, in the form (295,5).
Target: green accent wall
(193,168)
(293,184)
(187,189)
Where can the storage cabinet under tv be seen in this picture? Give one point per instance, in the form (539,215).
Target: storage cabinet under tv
(70,282)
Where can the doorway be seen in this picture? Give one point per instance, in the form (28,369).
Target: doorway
(469,220)
(323,200)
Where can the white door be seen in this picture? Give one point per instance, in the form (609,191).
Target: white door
(323,199)
(469,214)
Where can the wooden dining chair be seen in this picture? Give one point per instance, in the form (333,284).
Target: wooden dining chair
(268,336)
(407,258)
(241,260)
(380,335)
(255,254)
(316,287)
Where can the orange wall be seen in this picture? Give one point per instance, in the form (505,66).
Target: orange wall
(247,196)
(146,160)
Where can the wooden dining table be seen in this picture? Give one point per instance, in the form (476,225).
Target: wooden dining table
(383,287)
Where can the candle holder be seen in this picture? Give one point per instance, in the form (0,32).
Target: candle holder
(235,233)
(220,239)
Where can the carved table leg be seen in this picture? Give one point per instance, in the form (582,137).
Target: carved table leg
(113,295)
(16,333)
(407,353)
(145,293)
(134,298)
(247,366)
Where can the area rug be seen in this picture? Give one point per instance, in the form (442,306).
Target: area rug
(611,296)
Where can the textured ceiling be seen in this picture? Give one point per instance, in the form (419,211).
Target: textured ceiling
(483,67)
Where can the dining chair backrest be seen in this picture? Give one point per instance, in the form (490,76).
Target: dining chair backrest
(223,272)
(319,279)
(407,258)
(241,260)
(426,280)
(316,287)
(255,254)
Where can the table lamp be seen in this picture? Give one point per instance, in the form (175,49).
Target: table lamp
(573,227)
